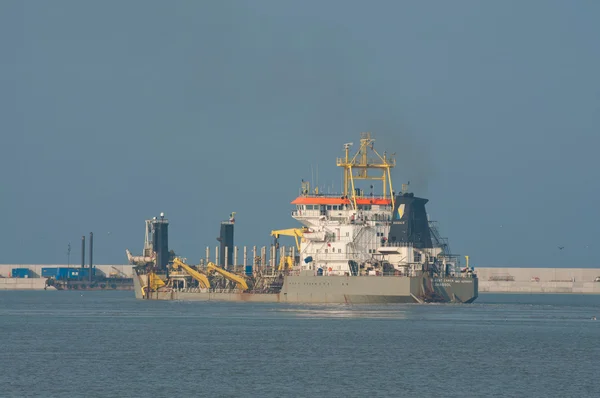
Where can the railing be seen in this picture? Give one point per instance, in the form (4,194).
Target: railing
(382,274)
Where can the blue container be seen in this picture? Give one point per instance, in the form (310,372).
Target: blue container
(62,273)
(57,273)
(76,273)
(67,273)
(79,273)
(20,273)
(49,272)
(248,270)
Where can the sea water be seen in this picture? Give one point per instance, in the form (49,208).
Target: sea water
(108,344)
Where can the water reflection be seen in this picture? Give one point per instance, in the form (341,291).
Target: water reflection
(325,313)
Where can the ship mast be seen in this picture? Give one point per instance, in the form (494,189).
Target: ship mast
(361,163)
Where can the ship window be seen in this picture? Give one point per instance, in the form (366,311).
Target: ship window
(328,207)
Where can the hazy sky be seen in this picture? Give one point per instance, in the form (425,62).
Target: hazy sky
(113,111)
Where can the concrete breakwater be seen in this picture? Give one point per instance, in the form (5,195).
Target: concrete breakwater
(538,280)
(33,280)
(22,283)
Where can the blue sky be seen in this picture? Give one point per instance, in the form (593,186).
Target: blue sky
(115,111)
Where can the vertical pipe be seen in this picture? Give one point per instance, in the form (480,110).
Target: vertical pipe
(245,258)
(91,254)
(263,257)
(225,263)
(235,257)
(82,252)
(207,254)
(273,259)
(217,256)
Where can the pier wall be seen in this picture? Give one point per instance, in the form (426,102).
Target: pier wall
(538,280)
(22,283)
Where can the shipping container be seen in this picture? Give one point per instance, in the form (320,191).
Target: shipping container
(20,273)
(49,272)
(56,273)
(67,273)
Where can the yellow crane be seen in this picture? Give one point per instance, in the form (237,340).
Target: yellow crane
(295,232)
(239,281)
(200,277)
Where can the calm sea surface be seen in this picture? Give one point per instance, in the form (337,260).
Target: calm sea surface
(107,344)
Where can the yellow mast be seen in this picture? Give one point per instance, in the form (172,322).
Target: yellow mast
(361,163)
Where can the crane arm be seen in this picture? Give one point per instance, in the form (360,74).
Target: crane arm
(295,232)
(239,281)
(201,278)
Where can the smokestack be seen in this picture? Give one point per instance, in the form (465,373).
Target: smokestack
(82,252)
(409,222)
(91,253)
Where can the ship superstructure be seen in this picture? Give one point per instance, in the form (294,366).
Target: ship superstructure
(361,231)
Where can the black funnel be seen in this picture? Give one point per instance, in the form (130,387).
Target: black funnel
(409,222)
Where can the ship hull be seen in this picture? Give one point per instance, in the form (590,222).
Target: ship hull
(340,290)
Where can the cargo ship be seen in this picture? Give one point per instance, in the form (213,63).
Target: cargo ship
(354,247)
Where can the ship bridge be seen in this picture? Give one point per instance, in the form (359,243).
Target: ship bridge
(349,225)
(365,165)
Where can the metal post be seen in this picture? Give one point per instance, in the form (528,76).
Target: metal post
(207,254)
(91,253)
(226,263)
(82,252)
(245,258)
(235,257)
(273,259)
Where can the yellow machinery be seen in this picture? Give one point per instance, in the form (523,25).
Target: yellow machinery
(153,280)
(295,232)
(201,278)
(286,262)
(239,281)
(356,168)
